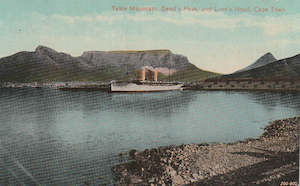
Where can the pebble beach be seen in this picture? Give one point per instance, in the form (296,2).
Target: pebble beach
(271,159)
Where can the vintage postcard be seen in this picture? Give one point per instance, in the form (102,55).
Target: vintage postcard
(149,92)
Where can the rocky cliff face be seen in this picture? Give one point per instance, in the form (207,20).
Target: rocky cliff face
(46,64)
(137,59)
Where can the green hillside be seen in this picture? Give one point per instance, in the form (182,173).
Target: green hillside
(189,74)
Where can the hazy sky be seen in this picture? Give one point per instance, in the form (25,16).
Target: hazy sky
(216,41)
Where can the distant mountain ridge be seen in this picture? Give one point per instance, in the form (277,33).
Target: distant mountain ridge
(264,60)
(46,64)
(288,68)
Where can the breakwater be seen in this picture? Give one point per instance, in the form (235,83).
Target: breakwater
(246,84)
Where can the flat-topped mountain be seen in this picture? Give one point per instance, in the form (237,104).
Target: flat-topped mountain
(158,51)
(46,64)
(137,59)
(264,60)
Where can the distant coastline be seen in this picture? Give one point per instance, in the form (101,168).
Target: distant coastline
(210,84)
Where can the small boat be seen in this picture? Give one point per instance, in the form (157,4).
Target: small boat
(144,86)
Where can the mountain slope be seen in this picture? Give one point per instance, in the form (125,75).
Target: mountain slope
(46,64)
(264,60)
(288,68)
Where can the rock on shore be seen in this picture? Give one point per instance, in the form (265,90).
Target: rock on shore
(268,160)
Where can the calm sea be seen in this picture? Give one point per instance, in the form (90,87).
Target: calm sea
(53,137)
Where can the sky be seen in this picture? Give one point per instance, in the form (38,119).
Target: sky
(221,40)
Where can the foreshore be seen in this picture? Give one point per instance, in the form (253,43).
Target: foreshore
(271,159)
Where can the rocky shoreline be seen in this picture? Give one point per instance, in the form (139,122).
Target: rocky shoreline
(272,159)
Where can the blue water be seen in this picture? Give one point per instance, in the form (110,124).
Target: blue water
(54,137)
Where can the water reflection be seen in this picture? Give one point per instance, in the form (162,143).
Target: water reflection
(48,130)
(271,100)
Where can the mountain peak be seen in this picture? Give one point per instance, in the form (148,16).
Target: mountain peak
(269,54)
(44,50)
(263,60)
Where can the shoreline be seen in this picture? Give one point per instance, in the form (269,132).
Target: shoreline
(206,85)
(106,88)
(271,159)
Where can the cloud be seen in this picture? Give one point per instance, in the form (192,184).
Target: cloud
(86,18)
(67,19)
(285,42)
(73,19)
(271,26)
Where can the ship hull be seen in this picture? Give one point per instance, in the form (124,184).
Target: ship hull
(133,87)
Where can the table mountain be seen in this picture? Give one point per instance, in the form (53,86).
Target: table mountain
(45,64)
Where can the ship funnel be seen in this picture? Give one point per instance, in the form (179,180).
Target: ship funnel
(143,74)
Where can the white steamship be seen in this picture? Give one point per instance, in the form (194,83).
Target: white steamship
(147,83)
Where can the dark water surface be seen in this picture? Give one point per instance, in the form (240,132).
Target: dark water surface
(54,137)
